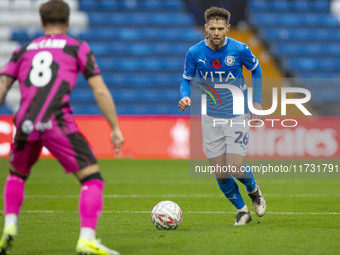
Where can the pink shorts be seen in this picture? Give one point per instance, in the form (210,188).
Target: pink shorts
(72,151)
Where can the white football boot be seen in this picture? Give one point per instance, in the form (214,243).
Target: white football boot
(242,218)
(259,203)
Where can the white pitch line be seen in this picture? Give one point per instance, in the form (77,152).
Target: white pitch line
(178,195)
(188,212)
(167,182)
(126,196)
(277,181)
(283,213)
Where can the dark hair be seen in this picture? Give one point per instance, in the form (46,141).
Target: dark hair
(217,14)
(54,12)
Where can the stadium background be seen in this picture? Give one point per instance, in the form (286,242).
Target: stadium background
(140,47)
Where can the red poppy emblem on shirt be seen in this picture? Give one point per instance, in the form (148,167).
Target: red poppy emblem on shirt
(216,63)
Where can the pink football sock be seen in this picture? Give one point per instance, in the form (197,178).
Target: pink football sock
(13,194)
(91,203)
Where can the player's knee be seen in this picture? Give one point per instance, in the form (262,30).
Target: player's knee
(234,164)
(17,173)
(236,170)
(94,176)
(221,179)
(86,171)
(221,175)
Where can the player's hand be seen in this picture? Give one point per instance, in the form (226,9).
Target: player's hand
(184,103)
(257,106)
(117,140)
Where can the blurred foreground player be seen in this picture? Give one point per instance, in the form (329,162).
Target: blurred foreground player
(218,60)
(47,70)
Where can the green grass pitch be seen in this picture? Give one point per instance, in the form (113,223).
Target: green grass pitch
(303,215)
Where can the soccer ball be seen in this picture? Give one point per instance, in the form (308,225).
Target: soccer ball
(166,215)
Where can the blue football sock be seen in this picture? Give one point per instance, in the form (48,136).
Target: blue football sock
(230,189)
(248,179)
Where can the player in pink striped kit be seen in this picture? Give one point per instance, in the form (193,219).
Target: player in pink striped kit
(47,70)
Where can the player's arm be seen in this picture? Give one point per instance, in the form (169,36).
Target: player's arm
(107,107)
(185,93)
(189,73)
(6,83)
(252,64)
(256,77)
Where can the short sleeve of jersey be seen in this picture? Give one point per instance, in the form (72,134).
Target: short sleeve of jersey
(87,62)
(248,59)
(189,66)
(12,67)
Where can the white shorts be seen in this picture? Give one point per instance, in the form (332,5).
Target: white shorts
(223,135)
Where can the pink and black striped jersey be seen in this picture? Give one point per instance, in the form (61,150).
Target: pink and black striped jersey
(47,70)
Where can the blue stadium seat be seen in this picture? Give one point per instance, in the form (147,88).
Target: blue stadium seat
(5,110)
(148,109)
(81,108)
(279,5)
(84,95)
(321,5)
(259,5)
(307,34)
(136,34)
(138,49)
(145,80)
(138,19)
(163,5)
(325,95)
(146,95)
(319,82)
(269,19)
(24,35)
(114,5)
(306,49)
(307,64)
(299,6)
(126,35)
(315,75)
(140,64)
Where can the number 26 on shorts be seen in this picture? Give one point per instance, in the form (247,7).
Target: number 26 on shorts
(241,138)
